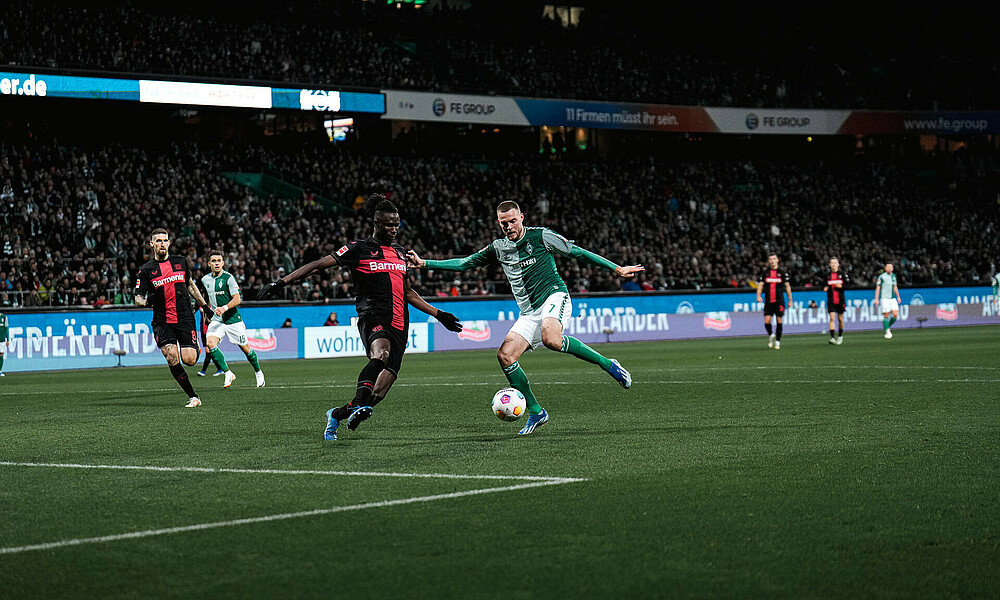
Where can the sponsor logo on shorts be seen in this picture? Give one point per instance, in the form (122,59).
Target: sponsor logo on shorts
(376,329)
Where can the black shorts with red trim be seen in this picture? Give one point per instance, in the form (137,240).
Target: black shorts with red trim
(371,329)
(182,334)
(839,308)
(774,308)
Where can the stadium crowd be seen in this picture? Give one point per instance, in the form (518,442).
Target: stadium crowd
(75,220)
(672,55)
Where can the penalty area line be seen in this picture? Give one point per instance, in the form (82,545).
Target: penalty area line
(290,472)
(278,517)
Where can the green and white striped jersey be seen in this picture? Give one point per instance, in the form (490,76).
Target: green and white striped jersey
(221,290)
(4,328)
(528,263)
(886,281)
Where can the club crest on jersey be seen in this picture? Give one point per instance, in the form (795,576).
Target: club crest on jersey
(529,248)
(342,251)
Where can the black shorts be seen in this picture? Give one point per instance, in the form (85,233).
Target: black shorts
(182,334)
(774,308)
(837,308)
(371,329)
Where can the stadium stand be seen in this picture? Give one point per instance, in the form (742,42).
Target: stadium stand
(672,54)
(74,217)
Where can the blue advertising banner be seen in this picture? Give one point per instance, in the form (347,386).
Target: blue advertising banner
(87,338)
(187,92)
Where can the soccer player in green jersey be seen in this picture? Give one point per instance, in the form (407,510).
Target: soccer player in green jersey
(4,339)
(996,289)
(527,257)
(885,289)
(223,298)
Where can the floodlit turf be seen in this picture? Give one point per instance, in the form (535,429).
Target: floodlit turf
(868,470)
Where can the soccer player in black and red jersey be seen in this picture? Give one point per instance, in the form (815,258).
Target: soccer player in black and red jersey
(773,285)
(836,303)
(166,284)
(378,269)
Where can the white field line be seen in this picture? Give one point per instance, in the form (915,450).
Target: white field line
(534,482)
(280,517)
(289,472)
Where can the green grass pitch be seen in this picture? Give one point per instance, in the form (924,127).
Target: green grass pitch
(867,470)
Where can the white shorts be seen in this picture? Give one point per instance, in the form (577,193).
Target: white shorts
(889,305)
(236,332)
(3,348)
(529,325)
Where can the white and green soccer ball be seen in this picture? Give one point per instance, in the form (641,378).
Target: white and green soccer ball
(508,404)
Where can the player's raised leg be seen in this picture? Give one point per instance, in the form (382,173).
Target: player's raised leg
(254,362)
(360,407)
(220,359)
(554,339)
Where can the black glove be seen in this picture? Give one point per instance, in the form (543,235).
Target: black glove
(450,321)
(271,289)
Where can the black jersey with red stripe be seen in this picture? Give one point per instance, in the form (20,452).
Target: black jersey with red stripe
(835,295)
(164,283)
(773,282)
(379,273)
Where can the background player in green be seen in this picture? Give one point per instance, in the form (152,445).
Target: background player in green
(4,339)
(996,289)
(885,289)
(526,255)
(223,298)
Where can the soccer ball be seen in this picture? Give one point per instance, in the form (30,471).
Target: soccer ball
(508,404)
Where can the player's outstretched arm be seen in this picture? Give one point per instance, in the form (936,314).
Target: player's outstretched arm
(447,319)
(414,260)
(584,255)
(629,271)
(304,271)
(479,259)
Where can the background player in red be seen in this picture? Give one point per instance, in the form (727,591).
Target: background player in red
(836,303)
(773,285)
(166,284)
(378,269)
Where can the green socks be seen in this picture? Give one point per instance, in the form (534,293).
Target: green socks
(891,321)
(519,381)
(1,363)
(571,345)
(252,357)
(887,323)
(219,358)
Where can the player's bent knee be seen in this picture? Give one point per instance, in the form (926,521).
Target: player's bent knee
(506,358)
(552,342)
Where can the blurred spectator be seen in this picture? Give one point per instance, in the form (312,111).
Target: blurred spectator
(331,320)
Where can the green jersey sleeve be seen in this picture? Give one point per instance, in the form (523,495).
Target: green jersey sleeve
(558,244)
(4,328)
(479,259)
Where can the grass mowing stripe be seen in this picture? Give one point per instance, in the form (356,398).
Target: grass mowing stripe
(279,517)
(291,472)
